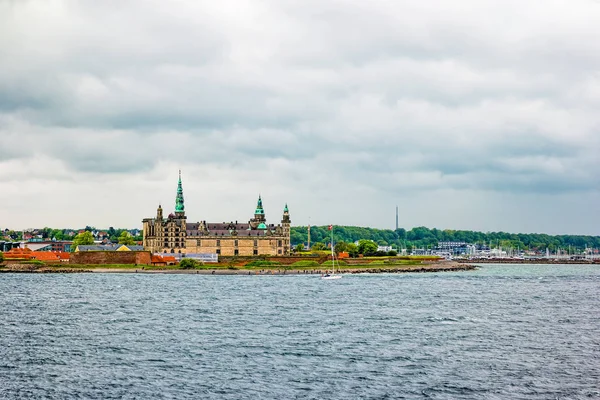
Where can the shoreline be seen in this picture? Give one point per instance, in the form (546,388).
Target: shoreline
(516,261)
(424,268)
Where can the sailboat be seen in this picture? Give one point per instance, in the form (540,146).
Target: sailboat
(331,275)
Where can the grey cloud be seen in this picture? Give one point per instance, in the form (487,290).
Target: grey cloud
(490,96)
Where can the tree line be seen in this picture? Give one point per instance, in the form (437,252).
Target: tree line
(68,234)
(419,237)
(423,237)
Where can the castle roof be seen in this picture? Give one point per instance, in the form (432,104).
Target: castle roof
(225,229)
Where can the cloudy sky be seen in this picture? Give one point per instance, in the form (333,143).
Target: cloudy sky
(478,114)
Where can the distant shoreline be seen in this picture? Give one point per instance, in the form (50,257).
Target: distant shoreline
(423,268)
(526,261)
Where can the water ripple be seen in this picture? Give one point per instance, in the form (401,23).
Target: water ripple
(497,333)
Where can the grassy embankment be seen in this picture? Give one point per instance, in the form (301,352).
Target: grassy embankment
(350,264)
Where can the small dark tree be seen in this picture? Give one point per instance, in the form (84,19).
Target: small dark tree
(189,263)
(126,239)
(340,247)
(84,238)
(318,246)
(352,250)
(367,247)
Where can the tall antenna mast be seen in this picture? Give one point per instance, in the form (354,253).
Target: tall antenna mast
(308,233)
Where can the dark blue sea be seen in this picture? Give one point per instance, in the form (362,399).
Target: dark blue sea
(501,332)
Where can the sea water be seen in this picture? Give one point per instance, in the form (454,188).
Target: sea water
(500,332)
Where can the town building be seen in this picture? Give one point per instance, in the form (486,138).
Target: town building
(175,235)
(7,246)
(55,246)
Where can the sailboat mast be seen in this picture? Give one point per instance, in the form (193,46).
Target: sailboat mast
(332,256)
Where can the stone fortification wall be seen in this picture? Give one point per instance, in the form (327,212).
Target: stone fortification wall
(111,257)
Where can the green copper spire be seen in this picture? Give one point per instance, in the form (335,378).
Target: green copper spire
(259,206)
(285,209)
(179,207)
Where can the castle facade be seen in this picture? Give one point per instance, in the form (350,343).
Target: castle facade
(174,234)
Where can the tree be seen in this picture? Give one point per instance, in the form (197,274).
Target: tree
(299,247)
(189,263)
(318,246)
(46,233)
(352,250)
(367,247)
(125,238)
(340,247)
(1,256)
(401,232)
(84,238)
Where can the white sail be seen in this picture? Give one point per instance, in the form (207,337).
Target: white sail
(332,275)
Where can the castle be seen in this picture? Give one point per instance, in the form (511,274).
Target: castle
(174,234)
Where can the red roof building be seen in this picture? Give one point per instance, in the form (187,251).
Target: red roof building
(28,254)
(18,254)
(45,256)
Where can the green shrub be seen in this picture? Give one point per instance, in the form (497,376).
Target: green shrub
(392,253)
(190,263)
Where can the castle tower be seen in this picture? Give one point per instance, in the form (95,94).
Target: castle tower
(259,220)
(173,235)
(285,224)
(259,213)
(179,206)
(159,213)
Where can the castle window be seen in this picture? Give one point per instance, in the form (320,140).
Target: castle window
(279,243)
(236,252)
(255,242)
(218,242)
(199,242)
(279,251)
(218,251)
(255,252)
(235,242)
